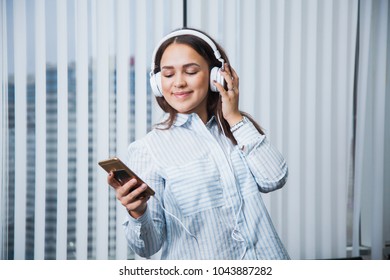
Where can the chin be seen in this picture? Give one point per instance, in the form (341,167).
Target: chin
(183,110)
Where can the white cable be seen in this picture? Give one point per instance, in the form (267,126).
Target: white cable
(232,170)
(178,220)
(235,233)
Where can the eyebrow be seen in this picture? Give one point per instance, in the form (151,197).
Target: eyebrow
(184,66)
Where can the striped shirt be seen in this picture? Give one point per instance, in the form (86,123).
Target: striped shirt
(208,202)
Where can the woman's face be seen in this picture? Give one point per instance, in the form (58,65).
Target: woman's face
(185,79)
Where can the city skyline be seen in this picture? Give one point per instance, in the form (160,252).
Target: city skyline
(51,182)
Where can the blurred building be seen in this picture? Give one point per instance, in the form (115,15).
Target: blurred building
(51,161)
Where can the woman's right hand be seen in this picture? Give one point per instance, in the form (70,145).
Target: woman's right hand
(129,195)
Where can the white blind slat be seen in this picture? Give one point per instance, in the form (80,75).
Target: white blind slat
(343,115)
(263,68)
(230,18)
(141,70)
(277,120)
(123,75)
(326,178)
(62,123)
(102,128)
(196,17)
(122,85)
(373,198)
(176,9)
(292,99)
(4,132)
(20,108)
(82,106)
(212,19)
(278,30)
(309,125)
(249,53)
(365,26)
(40,128)
(162,11)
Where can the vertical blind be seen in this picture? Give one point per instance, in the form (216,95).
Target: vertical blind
(62,124)
(40,129)
(82,58)
(4,136)
(372,184)
(77,73)
(296,62)
(20,86)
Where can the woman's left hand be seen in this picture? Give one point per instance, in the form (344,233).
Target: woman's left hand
(229,97)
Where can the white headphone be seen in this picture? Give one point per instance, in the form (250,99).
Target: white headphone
(215,75)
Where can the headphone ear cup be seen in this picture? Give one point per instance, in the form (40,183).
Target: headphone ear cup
(215,75)
(155,84)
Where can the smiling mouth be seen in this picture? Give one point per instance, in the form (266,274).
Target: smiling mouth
(181,94)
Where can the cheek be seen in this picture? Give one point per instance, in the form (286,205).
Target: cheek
(165,84)
(202,82)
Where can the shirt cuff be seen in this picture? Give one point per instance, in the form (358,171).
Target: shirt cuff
(142,220)
(247,134)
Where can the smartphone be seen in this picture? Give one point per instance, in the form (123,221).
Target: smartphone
(122,173)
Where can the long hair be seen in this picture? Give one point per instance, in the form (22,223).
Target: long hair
(214,102)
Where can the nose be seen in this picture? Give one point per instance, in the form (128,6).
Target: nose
(179,81)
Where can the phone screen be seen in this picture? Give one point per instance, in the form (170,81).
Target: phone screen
(121,176)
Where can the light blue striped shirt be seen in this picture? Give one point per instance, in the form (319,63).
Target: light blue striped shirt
(208,201)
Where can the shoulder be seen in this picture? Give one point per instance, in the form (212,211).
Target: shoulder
(143,144)
(139,154)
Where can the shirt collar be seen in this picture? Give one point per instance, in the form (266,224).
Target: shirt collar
(186,119)
(210,122)
(182,119)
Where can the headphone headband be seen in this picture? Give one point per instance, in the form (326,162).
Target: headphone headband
(187,32)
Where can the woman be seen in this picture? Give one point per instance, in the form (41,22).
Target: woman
(208,163)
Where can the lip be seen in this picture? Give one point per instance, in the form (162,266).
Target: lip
(182,94)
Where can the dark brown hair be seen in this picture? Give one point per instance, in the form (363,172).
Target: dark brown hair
(214,103)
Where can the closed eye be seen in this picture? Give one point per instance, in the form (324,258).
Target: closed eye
(167,74)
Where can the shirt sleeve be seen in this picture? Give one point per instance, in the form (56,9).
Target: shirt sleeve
(266,163)
(145,235)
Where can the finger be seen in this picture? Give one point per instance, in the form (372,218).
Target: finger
(134,195)
(221,89)
(137,204)
(112,181)
(126,188)
(229,77)
(139,192)
(141,200)
(235,77)
(227,69)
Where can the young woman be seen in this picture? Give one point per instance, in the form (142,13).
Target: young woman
(207,161)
